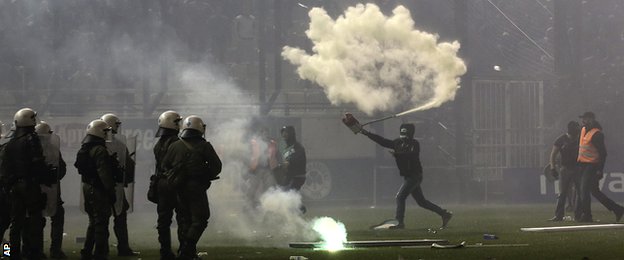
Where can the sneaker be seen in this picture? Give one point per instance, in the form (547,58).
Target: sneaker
(618,214)
(399,226)
(446,217)
(556,219)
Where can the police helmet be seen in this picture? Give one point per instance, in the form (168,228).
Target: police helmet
(113,121)
(25,117)
(43,128)
(192,126)
(98,128)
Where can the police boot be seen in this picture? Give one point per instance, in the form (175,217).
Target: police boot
(84,255)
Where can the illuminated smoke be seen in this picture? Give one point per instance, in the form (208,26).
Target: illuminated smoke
(333,233)
(377,62)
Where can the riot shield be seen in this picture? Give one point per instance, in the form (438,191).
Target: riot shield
(51,146)
(118,146)
(129,172)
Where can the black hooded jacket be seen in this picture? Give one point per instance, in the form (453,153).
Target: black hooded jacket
(406,151)
(294,154)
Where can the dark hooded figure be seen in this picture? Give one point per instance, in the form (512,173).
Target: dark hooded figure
(406,152)
(293,161)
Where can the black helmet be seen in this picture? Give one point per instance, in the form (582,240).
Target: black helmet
(407,131)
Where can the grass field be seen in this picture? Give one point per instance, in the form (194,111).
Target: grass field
(469,224)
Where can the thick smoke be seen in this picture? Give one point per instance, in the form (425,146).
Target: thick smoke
(276,220)
(377,62)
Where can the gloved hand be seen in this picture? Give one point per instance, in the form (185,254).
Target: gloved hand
(554,173)
(599,174)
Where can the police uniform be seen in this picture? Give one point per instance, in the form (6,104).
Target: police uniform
(98,186)
(167,197)
(25,171)
(200,164)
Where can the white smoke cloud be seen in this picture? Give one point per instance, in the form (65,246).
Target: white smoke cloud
(377,62)
(277,219)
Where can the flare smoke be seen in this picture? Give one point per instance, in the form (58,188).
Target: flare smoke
(377,62)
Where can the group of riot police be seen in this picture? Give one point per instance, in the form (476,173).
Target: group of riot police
(31,168)
(186,164)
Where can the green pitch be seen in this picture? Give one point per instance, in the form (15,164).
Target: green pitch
(469,224)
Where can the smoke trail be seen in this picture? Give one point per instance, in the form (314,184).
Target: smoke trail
(377,62)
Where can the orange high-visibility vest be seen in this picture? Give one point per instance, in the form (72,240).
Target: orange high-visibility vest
(587,151)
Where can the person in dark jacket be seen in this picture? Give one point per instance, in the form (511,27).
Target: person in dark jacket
(292,169)
(24,170)
(566,146)
(167,196)
(98,186)
(196,164)
(50,143)
(406,152)
(591,158)
(293,161)
(117,148)
(5,215)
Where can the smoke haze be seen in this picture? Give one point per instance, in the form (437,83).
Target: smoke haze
(377,62)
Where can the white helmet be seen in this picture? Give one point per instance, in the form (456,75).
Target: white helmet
(43,128)
(25,117)
(113,121)
(170,120)
(98,128)
(194,122)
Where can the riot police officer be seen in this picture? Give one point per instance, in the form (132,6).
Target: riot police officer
(54,205)
(196,164)
(98,186)
(166,196)
(117,148)
(24,169)
(5,215)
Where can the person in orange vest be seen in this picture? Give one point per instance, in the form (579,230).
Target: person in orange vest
(591,159)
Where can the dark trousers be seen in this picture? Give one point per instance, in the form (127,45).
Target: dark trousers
(196,212)
(5,214)
(27,204)
(569,177)
(411,186)
(120,227)
(167,205)
(98,206)
(590,187)
(57,223)
(295,182)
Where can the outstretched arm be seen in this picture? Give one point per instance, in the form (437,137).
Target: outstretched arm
(379,139)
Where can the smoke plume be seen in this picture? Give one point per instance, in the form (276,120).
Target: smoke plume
(377,62)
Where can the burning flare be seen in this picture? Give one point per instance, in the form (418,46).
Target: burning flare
(333,233)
